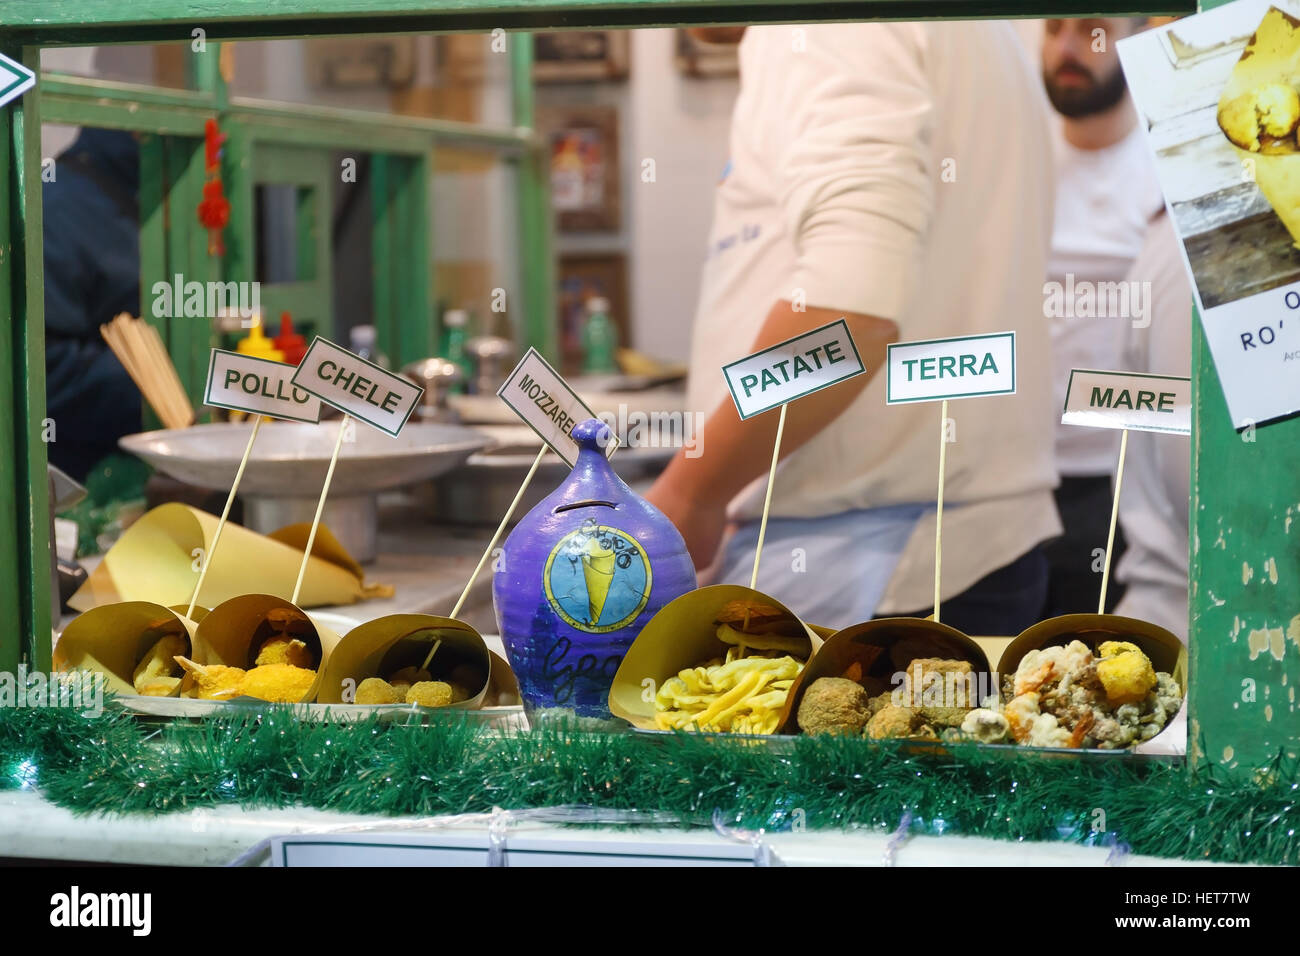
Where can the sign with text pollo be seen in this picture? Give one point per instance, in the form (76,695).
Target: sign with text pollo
(1149,403)
(250,384)
(791,369)
(538,394)
(356,387)
(963,367)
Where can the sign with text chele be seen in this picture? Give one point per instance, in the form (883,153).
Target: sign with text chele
(356,387)
(961,367)
(251,384)
(791,369)
(543,399)
(1149,403)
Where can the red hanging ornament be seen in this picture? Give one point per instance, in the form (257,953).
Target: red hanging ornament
(214,209)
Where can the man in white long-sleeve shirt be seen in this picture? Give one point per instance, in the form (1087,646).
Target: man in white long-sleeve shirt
(897,175)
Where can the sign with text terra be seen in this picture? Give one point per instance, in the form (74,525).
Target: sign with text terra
(250,384)
(539,395)
(1149,403)
(356,387)
(961,367)
(791,369)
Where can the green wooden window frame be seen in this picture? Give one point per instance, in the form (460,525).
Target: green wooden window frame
(1222,606)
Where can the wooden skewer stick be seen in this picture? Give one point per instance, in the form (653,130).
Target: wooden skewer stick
(320,506)
(225,513)
(938,513)
(1114,515)
(767,506)
(433,650)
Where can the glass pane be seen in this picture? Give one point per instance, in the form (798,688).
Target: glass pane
(286,249)
(156,65)
(441,77)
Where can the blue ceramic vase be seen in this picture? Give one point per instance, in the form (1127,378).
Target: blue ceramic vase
(578,579)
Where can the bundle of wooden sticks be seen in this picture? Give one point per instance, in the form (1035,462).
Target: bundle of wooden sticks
(140,349)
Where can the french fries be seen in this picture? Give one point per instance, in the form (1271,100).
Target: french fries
(743,695)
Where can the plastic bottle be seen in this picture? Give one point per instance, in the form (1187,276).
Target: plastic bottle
(455,333)
(293,345)
(362,341)
(599,339)
(256,343)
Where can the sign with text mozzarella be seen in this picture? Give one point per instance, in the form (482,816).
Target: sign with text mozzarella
(258,385)
(961,367)
(791,369)
(15,79)
(356,387)
(543,399)
(1149,403)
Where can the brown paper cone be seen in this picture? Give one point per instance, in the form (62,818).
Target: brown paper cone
(114,638)
(1166,651)
(503,687)
(232,631)
(684,634)
(884,648)
(389,643)
(154,560)
(1271,56)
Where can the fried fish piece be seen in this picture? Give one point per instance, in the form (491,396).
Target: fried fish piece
(214,681)
(283,649)
(278,682)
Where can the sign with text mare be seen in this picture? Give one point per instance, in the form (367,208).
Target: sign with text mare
(356,387)
(1149,403)
(539,395)
(963,367)
(791,369)
(247,383)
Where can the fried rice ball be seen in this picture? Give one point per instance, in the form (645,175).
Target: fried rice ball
(833,705)
(891,721)
(375,690)
(429,693)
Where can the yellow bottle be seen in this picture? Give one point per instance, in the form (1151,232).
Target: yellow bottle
(258,345)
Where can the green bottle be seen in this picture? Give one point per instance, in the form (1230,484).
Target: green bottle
(453,342)
(599,339)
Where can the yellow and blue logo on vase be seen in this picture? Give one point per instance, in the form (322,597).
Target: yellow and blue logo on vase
(597,578)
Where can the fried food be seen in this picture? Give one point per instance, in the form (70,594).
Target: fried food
(985,726)
(158,674)
(750,614)
(764,642)
(1043,666)
(278,682)
(429,693)
(894,721)
(283,649)
(833,705)
(1268,112)
(213,681)
(1125,672)
(745,695)
(946,691)
(409,675)
(376,690)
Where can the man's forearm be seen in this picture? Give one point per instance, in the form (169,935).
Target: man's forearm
(736,452)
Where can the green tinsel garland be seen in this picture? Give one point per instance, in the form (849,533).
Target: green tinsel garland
(115,762)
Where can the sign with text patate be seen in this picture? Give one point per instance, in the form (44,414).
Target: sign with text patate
(539,395)
(962,367)
(251,384)
(356,387)
(791,369)
(1149,403)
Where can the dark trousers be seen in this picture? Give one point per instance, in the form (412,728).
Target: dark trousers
(1002,603)
(1076,557)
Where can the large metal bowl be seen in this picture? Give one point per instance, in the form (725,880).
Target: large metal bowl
(287,468)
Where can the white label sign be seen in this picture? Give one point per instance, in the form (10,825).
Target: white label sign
(15,79)
(359,388)
(258,385)
(961,367)
(791,369)
(543,399)
(1149,403)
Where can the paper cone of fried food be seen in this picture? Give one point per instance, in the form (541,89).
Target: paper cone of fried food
(157,559)
(131,644)
(1121,676)
(1259,112)
(503,686)
(383,662)
(259,646)
(907,655)
(704,628)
